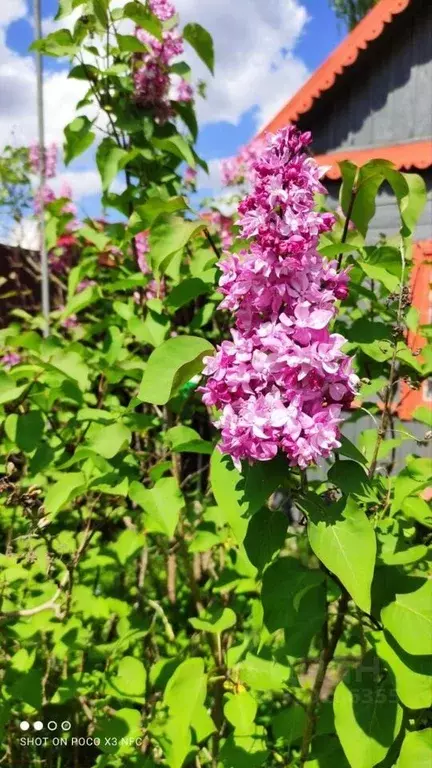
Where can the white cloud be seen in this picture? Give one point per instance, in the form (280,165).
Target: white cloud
(251,70)
(249,37)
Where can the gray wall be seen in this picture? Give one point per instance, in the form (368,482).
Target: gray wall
(386,96)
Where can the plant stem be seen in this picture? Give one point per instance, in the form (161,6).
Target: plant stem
(347,222)
(391,382)
(326,657)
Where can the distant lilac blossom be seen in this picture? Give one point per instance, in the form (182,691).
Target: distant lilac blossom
(9,360)
(49,159)
(282,381)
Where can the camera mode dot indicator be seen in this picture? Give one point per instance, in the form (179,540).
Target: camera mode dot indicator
(38,725)
(24,725)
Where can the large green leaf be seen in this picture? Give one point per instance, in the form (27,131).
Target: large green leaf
(416,751)
(240,710)
(161,504)
(25,429)
(170,366)
(293,598)
(177,146)
(264,674)
(79,137)
(343,539)
(413,674)
(240,494)
(109,441)
(367,715)
(69,486)
(265,536)
(202,42)
(130,680)
(168,237)
(108,160)
(409,619)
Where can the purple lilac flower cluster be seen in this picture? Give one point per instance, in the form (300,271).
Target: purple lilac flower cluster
(154,87)
(49,159)
(282,381)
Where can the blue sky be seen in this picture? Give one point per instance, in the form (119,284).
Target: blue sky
(264,52)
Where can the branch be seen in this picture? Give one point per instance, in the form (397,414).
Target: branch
(160,611)
(326,657)
(48,605)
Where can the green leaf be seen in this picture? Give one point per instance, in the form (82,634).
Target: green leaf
(100,9)
(79,137)
(409,620)
(64,490)
(162,505)
(97,238)
(186,689)
(183,439)
(412,674)
(170,366)
(288,594)
(186,291)
(384,265)
(81,301)
(416,508)
(263,674)
(128,544)
(367,715)
(142,18)
(59,43)
(25,429)
(108,159)
(240,710)
(412,203)
(351,478)
(168,237)
(416,751)
(289,724)
(265,536)
(348,448)
(9,390)
(149,211)
(109,441)
(215,621)
(177,146)
(343,539)
(130,44)
(130,680)
(424,414)
(202,42)
(240,495)
(118,732)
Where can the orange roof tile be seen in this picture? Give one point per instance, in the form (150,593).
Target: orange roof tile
(416,154)
(368,29)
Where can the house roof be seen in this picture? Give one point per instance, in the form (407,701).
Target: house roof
(416,154)
(344,56)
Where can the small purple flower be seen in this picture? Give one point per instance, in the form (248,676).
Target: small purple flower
(10,359)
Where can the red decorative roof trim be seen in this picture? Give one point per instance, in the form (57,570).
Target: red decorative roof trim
(368,29)
(417,154)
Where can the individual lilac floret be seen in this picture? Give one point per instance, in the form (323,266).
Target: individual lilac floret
(282,382)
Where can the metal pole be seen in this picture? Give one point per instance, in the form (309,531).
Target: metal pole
(41,128)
